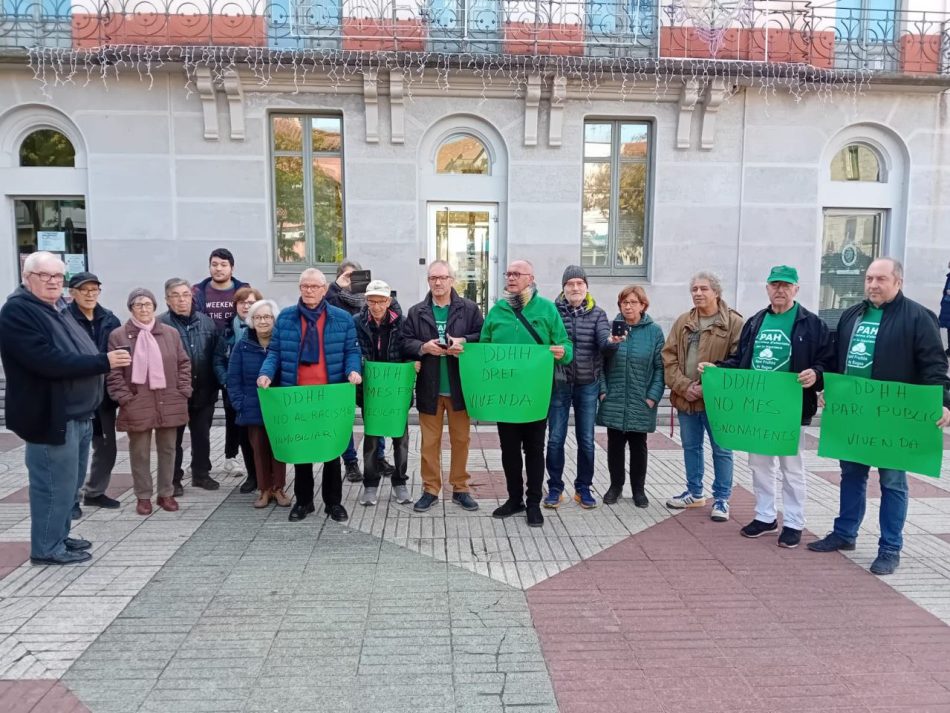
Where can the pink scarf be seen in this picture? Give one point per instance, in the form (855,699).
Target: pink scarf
(147,359)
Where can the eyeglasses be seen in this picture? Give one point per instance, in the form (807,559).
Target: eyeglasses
(312,288)
(630,303)
(376,303)
(92,292)
(142,305)
(50,276)
(181,296)
(439,278)
(516,275)
(263,318)
(247,303)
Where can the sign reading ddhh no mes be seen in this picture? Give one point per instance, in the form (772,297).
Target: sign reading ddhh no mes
(308,424)
(510,383)
(387,393)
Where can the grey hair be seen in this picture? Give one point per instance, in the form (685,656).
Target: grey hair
(347,263)
(311,272)
(444,263)
(173,282)
(34,260)
(711,277)
(261,304)
(898,268)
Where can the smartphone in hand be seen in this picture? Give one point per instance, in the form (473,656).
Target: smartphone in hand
(619,328)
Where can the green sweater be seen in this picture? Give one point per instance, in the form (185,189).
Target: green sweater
(502,326)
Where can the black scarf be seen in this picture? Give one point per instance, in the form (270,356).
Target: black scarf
(310,347)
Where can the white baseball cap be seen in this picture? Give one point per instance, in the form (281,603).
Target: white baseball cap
(378,288)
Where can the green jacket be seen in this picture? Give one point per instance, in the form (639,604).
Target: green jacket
(502,326)
(633,373)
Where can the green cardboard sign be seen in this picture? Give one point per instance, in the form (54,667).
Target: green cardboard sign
(754,411)
(507,382)
(883,424)
(387,393)
(308,424)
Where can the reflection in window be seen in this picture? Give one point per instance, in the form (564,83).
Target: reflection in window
(616,184)
(463,153)
(54,224)
(856,162)
(308,189)
(851,240)
(47,147)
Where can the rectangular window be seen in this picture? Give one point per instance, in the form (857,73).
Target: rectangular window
(617,183)
(54,224)
(307,163)
(851,240)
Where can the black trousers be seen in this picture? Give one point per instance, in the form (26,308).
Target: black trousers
(617,441)
(371,458)
(527,438)
(199,427)
(332,488)
(247,451)
(103,450)
(232,437)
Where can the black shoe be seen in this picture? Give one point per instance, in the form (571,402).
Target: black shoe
(77,512)
(352,471)
(789,538)
(68,557)
(757,528)
(641,500)
(385,468)
(830,543)
(101,501)
(466,501)
(886,563)
(337,513)
(299,512)
(535,516)
(248,486)
(177,490)
(611,496)
(205,482)
(426,502)
(507,510)
(77,544)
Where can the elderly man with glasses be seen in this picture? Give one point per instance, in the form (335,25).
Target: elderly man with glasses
(54,386)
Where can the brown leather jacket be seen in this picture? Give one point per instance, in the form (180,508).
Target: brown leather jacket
(140,408)
(716,342)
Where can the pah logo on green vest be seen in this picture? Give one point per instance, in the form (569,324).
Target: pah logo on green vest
(773,350)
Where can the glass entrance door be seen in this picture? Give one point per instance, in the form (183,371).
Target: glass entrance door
(852,239)
(464,235)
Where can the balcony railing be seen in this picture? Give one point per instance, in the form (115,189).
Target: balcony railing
(846,35)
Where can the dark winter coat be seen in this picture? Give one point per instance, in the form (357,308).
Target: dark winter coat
(379,342)
(348,302)
(944,318)
(589,330)
(907,348)
(811,349)
(464,320)
(200,338)
(99,328)
(247,358)
(141,408)
(633,373)
(43,367)
(229,338)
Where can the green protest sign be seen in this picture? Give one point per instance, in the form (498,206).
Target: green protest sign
(507,382)
(387,393)
(308,424)
(884,424)
(754,411)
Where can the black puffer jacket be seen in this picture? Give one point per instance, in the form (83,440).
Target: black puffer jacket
(200,339)
(589,330)
(908,342)
(379,342)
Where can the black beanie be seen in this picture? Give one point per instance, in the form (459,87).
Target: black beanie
(573,272)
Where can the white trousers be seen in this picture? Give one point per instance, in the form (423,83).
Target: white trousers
(765,471)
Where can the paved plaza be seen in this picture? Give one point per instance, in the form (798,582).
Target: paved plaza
(221,607)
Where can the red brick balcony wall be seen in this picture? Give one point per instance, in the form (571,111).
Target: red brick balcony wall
(161,29)
(528,38)
(375,34)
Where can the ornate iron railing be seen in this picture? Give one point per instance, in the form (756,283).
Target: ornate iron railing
(826,36)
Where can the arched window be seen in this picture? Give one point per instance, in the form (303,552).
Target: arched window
(463,154)
(47,147)
(857,162)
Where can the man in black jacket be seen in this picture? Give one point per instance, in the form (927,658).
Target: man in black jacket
(200,339)
(890,338)
(98,323)
(783,337)
(54,385)
(436,330)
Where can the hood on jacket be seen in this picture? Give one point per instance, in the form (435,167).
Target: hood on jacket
(585,307)
(21,293)
(645,319)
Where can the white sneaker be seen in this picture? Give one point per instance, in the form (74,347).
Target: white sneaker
(401,494)
(720,510)
(233,467)
(685,500)
(368,496)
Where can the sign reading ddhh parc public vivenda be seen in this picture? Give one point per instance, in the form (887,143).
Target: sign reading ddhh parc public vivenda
(754,411)
(387,394)
(507,382)
(308,424)
(883,424)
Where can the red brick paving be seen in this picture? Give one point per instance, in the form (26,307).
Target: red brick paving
(945,537)
(689,616)
(655,441)
(118,485)
(12,555)
(38,696)
(918,488)
(9,442)
(484,484)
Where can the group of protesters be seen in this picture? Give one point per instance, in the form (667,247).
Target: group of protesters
(163,374)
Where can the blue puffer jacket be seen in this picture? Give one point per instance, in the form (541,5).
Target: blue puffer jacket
(247,357)
(944,318)
(633,373)
(339,345)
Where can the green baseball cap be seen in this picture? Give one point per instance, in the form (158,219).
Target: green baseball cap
(783,273)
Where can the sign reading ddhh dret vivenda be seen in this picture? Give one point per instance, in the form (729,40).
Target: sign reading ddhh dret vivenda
(308,424)
(883,424)
(507,382)
(387,393)
(754,411)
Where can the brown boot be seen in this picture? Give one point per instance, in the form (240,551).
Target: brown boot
(167,503)
(263,499)
(143,506)
(281,497)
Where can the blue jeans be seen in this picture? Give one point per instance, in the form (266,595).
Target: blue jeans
(584,400)
(54,472)
(349,455)
(692,427)
(854,486)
